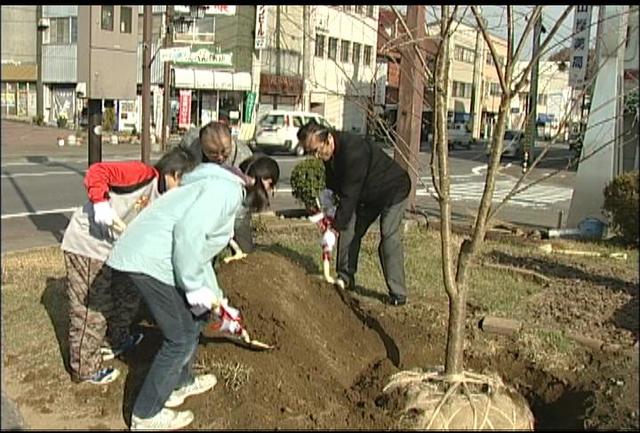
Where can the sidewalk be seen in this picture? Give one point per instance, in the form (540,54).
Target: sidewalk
(23,142)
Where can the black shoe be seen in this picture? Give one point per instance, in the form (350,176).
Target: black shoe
(397,301)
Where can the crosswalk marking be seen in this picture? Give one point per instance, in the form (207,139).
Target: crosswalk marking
(537,196)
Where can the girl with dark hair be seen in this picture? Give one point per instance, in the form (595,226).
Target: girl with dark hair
(98,297)
(166,252)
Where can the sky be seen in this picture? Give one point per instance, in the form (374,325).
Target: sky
(497,19)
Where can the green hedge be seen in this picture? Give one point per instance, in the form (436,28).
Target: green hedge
(621,205)
(307,181)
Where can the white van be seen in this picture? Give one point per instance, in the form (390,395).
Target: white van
(278,129)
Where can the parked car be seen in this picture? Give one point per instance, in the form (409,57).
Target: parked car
(513,145)
(277,130)
(459,135)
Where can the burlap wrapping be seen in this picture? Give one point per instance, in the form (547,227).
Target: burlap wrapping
(434,401)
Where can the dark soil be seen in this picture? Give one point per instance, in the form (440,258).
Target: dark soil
(335,351)
(333,355)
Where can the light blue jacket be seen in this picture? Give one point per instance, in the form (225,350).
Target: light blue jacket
(175,238)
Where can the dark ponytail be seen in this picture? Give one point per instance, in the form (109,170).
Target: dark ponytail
(259,167)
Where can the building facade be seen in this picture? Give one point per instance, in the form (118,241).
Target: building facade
(19,62)
(343,68)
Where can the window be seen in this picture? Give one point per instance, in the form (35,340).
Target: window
(346,8)
(319,45)
(356,53)
(125,19)
(344,51)
(333,48)
(62,31)
(74,30)
(495,90)
(360,9)
(463,54)
(367,55)
(106,22)
(298,121)
(272,120)
(370,11)
(490,60)
(461,90)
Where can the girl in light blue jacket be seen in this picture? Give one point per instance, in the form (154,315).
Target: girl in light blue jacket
(167,252)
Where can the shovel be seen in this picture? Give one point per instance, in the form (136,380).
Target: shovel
(243,338)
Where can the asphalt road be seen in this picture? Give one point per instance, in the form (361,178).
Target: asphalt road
(38,197)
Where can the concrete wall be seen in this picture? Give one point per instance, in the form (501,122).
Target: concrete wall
(19,33)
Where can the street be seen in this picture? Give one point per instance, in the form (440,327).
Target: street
(38,197)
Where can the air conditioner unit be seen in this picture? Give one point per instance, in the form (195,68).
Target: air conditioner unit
(321,23)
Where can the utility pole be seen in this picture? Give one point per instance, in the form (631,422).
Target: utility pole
(146,84)
(39,85)
(166,99)
(306,60)
(476,87)
(530,142)
(278,54)
(411,91)
(532,135)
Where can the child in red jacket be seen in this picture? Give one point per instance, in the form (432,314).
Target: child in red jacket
(98,295)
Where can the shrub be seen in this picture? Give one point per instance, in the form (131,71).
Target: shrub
(38,120)
(62,120)
(621,205)
(307,181)
(134,131)
(109,119)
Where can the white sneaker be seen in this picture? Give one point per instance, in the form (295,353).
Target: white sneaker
(166,419)
(201,384)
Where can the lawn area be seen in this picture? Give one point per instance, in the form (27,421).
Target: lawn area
(554,296)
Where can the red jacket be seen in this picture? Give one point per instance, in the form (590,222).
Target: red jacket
(119,176)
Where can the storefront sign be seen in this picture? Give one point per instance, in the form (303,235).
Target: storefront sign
(184,109)
(208,9)
(261,27)
(579,46)
(205,57)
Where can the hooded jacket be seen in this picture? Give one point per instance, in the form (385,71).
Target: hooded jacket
(175,238)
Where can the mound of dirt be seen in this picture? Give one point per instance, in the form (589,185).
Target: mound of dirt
(323,349)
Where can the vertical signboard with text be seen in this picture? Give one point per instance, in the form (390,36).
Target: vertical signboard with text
(184,109)
(261,27)
(580,46)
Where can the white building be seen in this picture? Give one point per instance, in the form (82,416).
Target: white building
(554,98)
(344,64)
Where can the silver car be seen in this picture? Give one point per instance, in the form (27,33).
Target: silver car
(512,145)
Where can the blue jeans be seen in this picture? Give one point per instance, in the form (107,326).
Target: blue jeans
(172,366)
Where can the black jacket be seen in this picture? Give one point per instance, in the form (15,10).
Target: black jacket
(360,172)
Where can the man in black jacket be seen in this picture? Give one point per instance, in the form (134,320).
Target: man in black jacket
(369,185)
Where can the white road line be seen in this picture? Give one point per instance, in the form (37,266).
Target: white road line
(43,173)
(535,196)
(39,212)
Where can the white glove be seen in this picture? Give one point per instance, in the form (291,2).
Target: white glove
(103,213)
(201,300)
(328,240)
(230,320)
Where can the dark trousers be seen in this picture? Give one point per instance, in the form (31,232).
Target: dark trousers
(243,233)
(172,366)
(390,248)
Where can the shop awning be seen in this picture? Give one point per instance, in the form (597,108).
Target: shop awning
(194,78)
(203,79)
(183,78)
(222,80)
(242,81)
